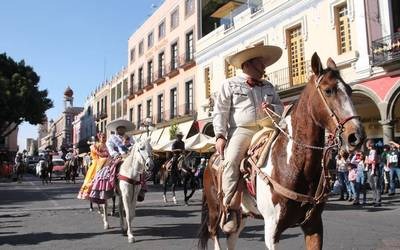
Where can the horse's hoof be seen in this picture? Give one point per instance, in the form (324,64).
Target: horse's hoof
(106,227)
(131,240)
(90,209)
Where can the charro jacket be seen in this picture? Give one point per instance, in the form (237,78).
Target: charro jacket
(239,105)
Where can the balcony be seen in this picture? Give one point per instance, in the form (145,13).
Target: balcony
(386,50)
(172,68)
(182,112)
(286,78)
(160,76)
(186,61)
(101,115)
(131,93)
(148,83)
(139,91)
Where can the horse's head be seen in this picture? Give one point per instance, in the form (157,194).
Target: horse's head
(332,107)
(143,152)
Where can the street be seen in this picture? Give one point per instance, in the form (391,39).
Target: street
(36,216)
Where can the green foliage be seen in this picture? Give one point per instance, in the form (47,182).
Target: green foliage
(20,98)
(172,131)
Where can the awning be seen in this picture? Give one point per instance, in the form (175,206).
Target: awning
(165,143)
(200,143)
(155,136)
(139,136)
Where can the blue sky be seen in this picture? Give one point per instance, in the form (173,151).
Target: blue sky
(70,42)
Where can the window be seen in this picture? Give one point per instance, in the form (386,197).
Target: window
(229,70)
(160,108)
(132,55)
(173,103)
(189,7)
(112,112)
(175,19)
(104,109)
(343,29)
(150,40)
(124,107)
(161,65)
(98,107)
(189,46)
(189,97)
(207,80)
(139,114)
(131,114)
(174,56)
(125,86)
(141,78)
(132,83)
(141,48)
(161,30)
(113,95)
(149,108)
(297,65)
(119,91)
(119,110)
(150,77)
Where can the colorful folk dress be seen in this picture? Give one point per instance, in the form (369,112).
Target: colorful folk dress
(99,154)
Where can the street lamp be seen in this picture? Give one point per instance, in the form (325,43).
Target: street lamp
(147,125)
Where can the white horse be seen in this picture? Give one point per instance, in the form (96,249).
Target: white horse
(139,160)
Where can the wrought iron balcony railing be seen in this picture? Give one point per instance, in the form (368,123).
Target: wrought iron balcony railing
(386,50)
(288,78)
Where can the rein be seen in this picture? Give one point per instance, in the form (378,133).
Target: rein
(130,180)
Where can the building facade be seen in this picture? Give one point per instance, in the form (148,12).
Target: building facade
(9,146)
(161,71)
(340,29)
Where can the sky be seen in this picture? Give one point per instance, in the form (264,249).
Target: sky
(70,43)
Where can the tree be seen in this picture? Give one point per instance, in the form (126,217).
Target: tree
(20,98)
(173,130)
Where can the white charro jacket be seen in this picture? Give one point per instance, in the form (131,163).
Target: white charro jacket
(239,105)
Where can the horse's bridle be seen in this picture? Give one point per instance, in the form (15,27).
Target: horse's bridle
(339,123)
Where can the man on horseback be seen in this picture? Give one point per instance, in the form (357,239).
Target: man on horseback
(116,143)
(177,148)
(239,105)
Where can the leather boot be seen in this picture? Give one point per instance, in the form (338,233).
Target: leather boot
(230,225)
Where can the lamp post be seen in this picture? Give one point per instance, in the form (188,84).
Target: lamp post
(147,124)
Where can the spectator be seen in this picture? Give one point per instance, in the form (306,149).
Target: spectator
(342,174)
(373,173)
(358,160)
(386,171)
(199,172)
(352,181)
(392,158)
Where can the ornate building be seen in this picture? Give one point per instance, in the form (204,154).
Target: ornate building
(59,132)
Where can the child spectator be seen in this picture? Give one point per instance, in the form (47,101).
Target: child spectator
(393,163)
(358,160)
(342,174)
(352,180)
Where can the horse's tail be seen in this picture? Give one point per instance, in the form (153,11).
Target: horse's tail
(204,234)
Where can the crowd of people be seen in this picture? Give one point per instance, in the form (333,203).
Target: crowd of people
(376,168)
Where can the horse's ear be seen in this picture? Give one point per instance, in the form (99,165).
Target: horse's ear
(316,64)
(331,64)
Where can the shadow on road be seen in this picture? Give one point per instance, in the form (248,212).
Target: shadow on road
(13,215)
(37,238)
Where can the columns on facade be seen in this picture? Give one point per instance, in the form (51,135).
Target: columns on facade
(362,65)
(387,130)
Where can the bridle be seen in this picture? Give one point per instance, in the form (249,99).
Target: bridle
(339,129)
(339,123)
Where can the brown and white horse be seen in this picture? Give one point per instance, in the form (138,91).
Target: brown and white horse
(294,162)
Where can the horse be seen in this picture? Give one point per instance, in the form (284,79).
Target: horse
(184,172)
(291,188)
(186,169)
(139,160)
(44,173)
(19,171)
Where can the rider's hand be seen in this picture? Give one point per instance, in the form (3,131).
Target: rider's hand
(265,105)
(220,146)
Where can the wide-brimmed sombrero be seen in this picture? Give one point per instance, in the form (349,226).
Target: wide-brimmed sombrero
(270,53)
(112,126)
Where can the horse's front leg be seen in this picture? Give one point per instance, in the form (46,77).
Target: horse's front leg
(313,233)
(233,237)
(122,217)
(129,201)
(105,216)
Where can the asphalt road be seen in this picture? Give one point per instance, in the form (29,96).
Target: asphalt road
(33,216)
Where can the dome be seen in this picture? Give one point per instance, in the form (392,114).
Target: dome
(68,92)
